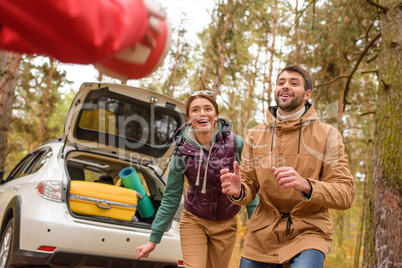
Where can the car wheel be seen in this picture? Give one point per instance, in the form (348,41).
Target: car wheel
(6,239)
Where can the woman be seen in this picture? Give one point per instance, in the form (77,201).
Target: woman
(208,226)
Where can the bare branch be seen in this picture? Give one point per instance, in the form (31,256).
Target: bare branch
(298,18)
(346,91)
(369,71)
(367,113)
(384,9)
(331,81)
(373,58)
(14,64)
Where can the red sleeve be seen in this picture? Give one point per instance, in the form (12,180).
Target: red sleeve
(10,40)
(76,31)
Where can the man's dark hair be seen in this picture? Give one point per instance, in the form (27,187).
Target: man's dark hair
(308,84)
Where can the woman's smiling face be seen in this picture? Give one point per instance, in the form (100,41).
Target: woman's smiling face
(202,115)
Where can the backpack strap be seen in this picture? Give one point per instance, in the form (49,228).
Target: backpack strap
(226,127)
(179,143)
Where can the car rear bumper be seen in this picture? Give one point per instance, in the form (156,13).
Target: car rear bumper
(80,238)
(30,258)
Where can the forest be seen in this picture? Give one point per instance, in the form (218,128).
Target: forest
(353,52)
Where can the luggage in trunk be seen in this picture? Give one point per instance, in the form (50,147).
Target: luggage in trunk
(98,199)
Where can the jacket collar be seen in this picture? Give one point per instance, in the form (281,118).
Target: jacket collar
(223,130)
(309,115)
(181,136)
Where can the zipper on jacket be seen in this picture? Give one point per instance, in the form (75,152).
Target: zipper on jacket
(273,134)
(197,182)
(298,145)
(204,183)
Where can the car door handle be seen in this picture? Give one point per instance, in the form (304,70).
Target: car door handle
(1,191)
(16,188)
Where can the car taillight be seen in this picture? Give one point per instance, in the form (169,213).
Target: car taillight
(46,248)
(180,263)
(50,190)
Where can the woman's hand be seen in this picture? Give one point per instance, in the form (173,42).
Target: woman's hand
(144,250)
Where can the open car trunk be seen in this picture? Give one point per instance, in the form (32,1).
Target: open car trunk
(103,197)
(114,128)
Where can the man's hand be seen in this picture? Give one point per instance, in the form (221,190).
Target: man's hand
(231,182)
(288,177)
(144,250)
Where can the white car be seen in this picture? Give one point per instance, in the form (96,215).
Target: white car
(110,129)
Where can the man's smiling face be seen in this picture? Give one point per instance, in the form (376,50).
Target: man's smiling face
(289,92)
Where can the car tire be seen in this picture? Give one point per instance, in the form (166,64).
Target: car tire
(6,245)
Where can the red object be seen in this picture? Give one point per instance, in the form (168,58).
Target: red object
(74,31)
(47,248)
(124,69)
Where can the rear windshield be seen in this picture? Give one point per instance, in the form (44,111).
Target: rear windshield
(116,120)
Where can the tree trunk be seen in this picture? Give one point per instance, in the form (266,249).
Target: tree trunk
(360,235)
(220,68)
(271,59)
(176,62)
(251,86)
(100,76)
(31,123)
(9,66)
(297,33)
(250,91)
(387,176)
(205,73)
(225,22)
(45,99)
(341,102)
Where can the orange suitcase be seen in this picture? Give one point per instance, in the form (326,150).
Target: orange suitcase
(99,199)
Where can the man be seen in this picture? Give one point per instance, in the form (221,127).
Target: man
(299,169)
